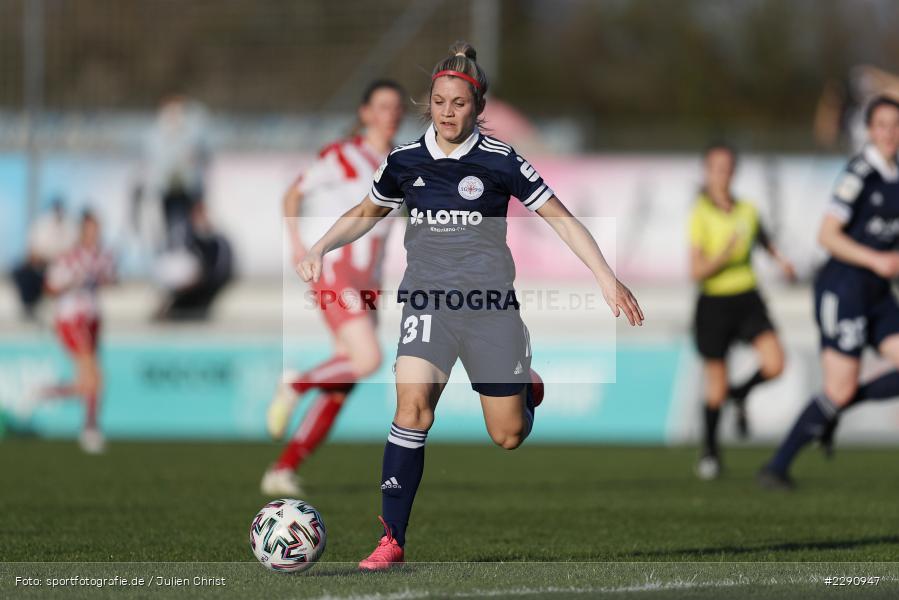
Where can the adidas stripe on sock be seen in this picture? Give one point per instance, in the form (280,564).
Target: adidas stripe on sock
(407,438)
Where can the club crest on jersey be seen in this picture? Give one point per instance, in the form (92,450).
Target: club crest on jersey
(471,188)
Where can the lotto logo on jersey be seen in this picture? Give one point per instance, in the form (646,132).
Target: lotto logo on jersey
(445,217)
(471,188)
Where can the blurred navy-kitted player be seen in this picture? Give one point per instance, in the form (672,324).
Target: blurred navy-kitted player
(723,232)
(458,286)
(855,303)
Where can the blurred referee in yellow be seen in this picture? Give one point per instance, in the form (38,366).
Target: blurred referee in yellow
(723,232)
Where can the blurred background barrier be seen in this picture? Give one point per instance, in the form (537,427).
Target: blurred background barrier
(179,387)
(171,388)
(649,197)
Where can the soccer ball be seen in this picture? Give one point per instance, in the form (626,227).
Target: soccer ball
(288,535)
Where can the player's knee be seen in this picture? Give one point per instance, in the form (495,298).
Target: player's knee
(413,415)
(773,367)
(715,395)
(840,392)
(89,385)
(508,442)
(86,382)
(773,371)
(716,401)
(507,439)
(715,389)
(96,379)
(511,442)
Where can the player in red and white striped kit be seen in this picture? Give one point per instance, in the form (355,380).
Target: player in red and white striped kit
(74,279)
(333,184)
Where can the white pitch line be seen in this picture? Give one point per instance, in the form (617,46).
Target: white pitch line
(646,587)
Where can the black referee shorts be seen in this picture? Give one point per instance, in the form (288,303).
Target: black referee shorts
(720,321)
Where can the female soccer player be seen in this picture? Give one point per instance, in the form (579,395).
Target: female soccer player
(74,279)
(855,304)
(341,175)
(723,232)
(458,284)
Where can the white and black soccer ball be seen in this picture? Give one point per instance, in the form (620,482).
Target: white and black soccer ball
(288,535)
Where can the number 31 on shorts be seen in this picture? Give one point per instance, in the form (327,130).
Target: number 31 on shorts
(410,325)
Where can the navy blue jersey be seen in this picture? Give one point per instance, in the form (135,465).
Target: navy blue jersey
(456,234)
(866,200)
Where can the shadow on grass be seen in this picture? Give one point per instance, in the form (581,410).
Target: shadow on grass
(325,570)
(607,486)
(739,550)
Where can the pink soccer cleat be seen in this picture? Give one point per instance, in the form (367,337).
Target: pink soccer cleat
(387,555)
(536,388)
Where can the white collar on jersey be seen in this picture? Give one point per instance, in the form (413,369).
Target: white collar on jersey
(888,171)
(459,152)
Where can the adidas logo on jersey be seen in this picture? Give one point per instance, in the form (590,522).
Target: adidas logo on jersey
(419,182)
(445,217)
(391,484)
(518,369)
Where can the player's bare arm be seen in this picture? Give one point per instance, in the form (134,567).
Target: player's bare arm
(841,246)
(293,199)
(581,242)
(351,226)
(785,264)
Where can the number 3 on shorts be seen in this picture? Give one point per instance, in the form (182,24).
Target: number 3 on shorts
(411,327)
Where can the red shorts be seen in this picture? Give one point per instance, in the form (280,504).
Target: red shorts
(79,334)
(345,291)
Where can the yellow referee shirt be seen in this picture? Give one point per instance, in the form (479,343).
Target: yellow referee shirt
(711,229)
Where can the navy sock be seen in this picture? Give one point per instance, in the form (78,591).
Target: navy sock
(739,392)
(404,463)
(884,387)
(529,410)
(711,430)
(812,422)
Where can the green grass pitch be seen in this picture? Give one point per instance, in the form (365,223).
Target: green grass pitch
(561,521)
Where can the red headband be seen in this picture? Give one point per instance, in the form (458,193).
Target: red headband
(460,75)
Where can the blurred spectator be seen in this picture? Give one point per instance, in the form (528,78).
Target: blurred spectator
(176,157)
(51,235)
(195,273)
(841,107)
